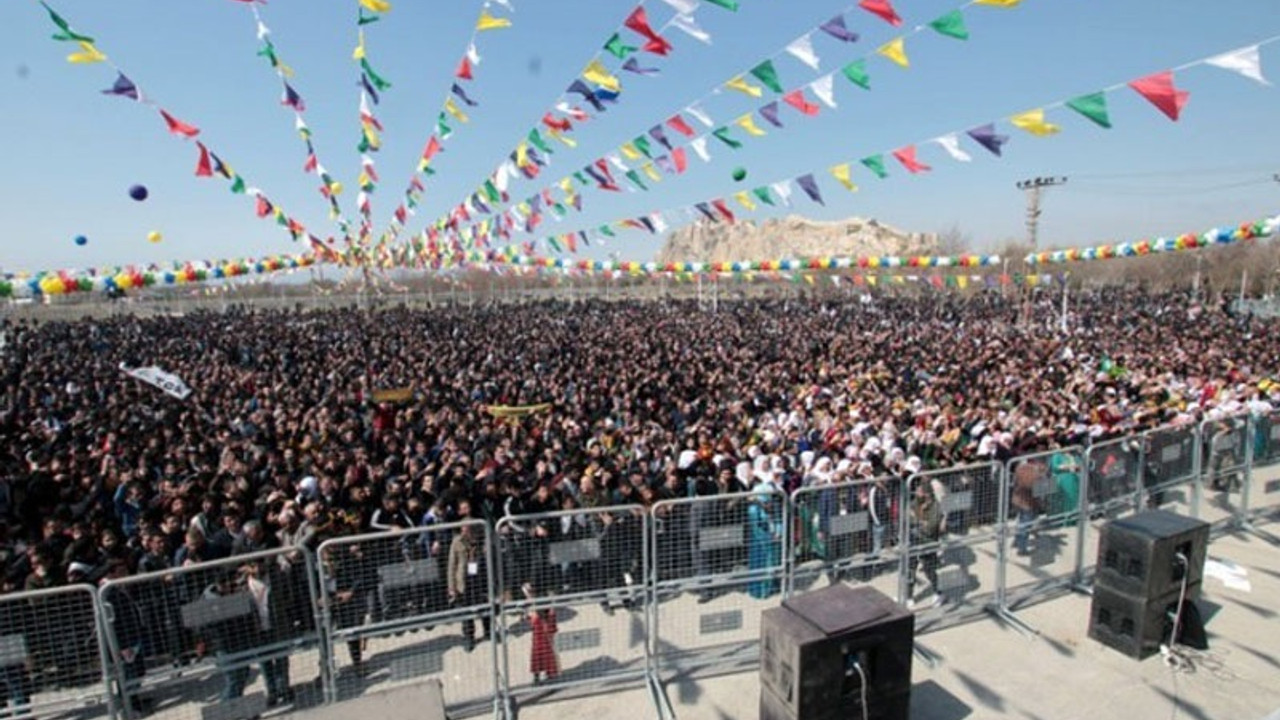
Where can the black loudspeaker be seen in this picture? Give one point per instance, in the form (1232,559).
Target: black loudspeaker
(813,646)
(1134,625)
(1137,555)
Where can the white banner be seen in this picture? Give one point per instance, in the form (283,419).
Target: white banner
(168,382)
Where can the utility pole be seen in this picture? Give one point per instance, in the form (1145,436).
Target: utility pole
(1033,188)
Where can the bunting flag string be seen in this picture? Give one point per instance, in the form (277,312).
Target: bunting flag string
(208,163)
(65,282)
(369,87)
(1264,228)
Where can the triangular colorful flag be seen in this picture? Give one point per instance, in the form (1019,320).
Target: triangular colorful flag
(204,168)
(744,200)
(802,49)
(769,111)
(464,69)
(951,25)
(452,108)
(638,21)
(765,73)
(724,209)
(763,193)
(896,51)
(856,72)
(462,95)
(987,137)
(836,28)
(783,189)
(797,100)
(680,159)
(596,73)
(1158,89)
(67,34)
(617,48)
(632,65)
(843,173)
(677,123)
(907,156)
(701,115)
(741,85)
(881,9)
(875,164)
(699,146)
(1092,106)
(726,4)
(177,127)
(376,6)
(951,143)
(88,54)
(489,22)
(689,26)
(657,133)
(359,53)
(123,87)
(722,134)
(810,187)
(1033,122)
(824,88)
(746,122)
(1244,61)
(293,99)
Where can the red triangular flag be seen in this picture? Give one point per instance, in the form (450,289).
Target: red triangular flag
(639,22)
(371,172)
(603,167)
(555,123)
(264,207)
(881,9)
(907,156)
(677,123)
(203,168)
(433,147)
(400,214)
(464,69)
(311,165)
(1158,89)
(177,127)
(797,100)
(724,209)
(416,184)
(680,160)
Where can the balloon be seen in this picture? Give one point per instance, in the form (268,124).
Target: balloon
(154,236)
(82,240)
(336,188)
(739,174)
(138,192)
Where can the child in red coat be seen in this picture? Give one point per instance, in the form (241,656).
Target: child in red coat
(543,661)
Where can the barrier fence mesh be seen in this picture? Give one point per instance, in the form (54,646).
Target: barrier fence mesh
(1224,466)
(846,532)
(51,659)
(1043,527)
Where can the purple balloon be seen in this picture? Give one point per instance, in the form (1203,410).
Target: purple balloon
(138,192)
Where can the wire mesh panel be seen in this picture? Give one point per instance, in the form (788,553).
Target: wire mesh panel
(1263,493)
(846,531)
(1042,529)
(1225,449)
(51,659)
(1170,468)
(220,639)
(573,602)
(950,521)
(404,606)
(718,562)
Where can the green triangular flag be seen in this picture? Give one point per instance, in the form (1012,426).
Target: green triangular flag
(1092,106)
(606,230)
(364,145)
(429,171)
(67,34)
(582,179)
(442,127)
(765,73)
(558,209)
(374,78)
(555,246)
(491,191)
(282,220)
(642,144)
(856,71)
(634,177)
(535,139)
(618,48)
(951,25)
(726,4)
(367,19)
(268,51)
(237,185)
(722,134)
(875,164)
(763,194)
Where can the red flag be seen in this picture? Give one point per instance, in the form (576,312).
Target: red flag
(371,172)
(797,100)
(177,127)
(572,241)
(881,9)
(264,207)
(1158,89)
(678,157)
(325,191)
(433,147)
(464,69)
(204,168)
(311,165)
(554,123)
(416,184)
(677,123)
(724,209)
(400,214)
(907,156)
(639,22)
(546,197)
(603,167)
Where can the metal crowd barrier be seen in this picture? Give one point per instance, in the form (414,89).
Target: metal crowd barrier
(719,561)
(402,606)
(1171,469)
(1225,451)
(846,532)
(1262,493)
(1042,533)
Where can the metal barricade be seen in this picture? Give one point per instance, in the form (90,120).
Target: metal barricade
(1042,531)
(954,545)
(1113,489)
(51,658)
(1262,493)
(1226,456)
(718,562)
(574,609)
(187,640)
(403,606)
(1171,469)
(845,531)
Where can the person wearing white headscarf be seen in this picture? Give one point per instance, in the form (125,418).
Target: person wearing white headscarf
(820,474)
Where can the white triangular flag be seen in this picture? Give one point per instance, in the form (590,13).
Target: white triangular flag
(823,88)
(1244,61)
(802,49)
(263,31)
(951,144)
(689,26)
(502,177)
(684,7)
(473,55)
(697,111)
(616,161)
(699,146)
(659,224)
(783,189)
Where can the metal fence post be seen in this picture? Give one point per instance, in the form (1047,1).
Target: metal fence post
(1082,514)
(1002,535)
(1197,479)
(1252,429)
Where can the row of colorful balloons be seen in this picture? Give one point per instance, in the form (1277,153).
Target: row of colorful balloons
(823,263)
(1264,228)
(64,283)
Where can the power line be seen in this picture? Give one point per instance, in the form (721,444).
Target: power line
(1033,188)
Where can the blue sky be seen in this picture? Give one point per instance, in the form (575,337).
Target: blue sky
(70,153)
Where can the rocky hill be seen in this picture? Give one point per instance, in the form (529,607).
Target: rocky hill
(791,236)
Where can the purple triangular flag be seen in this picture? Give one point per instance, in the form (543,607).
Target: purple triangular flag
(656,133)
(633,65)
(535,203)
(665,163)
(368,88)
(582,89)
(462,95)
(987,137)
(810,187)
(770,112)
(595,175)
(586,240)
(648,224)
(479,204)
(576,201)
(705,210)
(835,27)
(124,87)
(293,99)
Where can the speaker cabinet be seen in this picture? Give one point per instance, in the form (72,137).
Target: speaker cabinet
(1135,625)
(814,644)
(1137,555)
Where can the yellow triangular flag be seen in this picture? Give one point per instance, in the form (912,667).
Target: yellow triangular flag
(378,6)
(88,54)
(962,281)
(489,22)
(358,53)
(651,171)
(363,179)
(595,72)
(452,108)
(1033,122)
(567,186)
(562,137)
(630,151)
(747,123)
(742,86)
(872,280)
(744,200)
(896,51)
(842,173)
(998,3)
(808,279)
(372,138)
(522,154)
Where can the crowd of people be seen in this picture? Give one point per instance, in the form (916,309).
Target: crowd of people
(287,438)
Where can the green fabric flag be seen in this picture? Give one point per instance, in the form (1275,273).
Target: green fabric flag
(951,25)
(555,245)
(634,177)
(606,230)
(374,78)
(491,191)
(67,34)
(364,145)
(642,144)
(558,209)
(282,220)
(429,171)
(856,71)
(367,19)
(763,193)
(875,164)
(535,139)
(237,185)
(726,4)
(722,134)
(618,48)
(582,179)
(1092,106)
(765,73)
(442,127)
